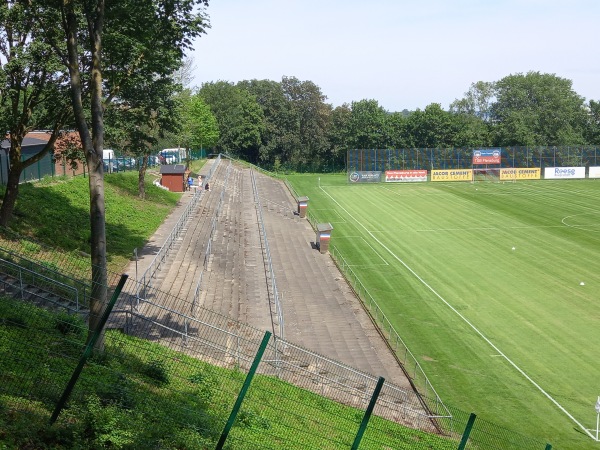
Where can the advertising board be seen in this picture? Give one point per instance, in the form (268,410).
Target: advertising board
(487,156)
(403,176)
(594,172)
(564,172)
(452,175)
(520,174)
(362,176)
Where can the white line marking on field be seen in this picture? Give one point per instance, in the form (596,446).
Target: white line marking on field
(473,327)
(580,227)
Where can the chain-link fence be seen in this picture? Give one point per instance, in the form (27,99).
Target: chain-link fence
(462,158)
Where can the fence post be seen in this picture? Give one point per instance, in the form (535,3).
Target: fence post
(467,432)
(88,350)
(243,391)
(368,412)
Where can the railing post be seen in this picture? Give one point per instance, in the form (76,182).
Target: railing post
(467,432)
(243,391)
(368,412)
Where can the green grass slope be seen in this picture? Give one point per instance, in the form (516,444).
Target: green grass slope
(141,395)
(55,212)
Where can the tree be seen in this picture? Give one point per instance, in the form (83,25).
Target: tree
(431,128)
(143,40)
(185,74)
(239,116)
(471,131)
(592,130)
(395,130)
(278,120)
(367,125)
(33,90)
(477,101)
(199,128)
(309,121)
(537,109)
(338,133)
(135,122)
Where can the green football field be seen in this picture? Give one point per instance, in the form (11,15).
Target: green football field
(494,287)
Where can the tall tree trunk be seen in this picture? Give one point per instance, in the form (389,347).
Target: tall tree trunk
(98,244)
(11,194)
(142,177)
(16,167)
(92,144)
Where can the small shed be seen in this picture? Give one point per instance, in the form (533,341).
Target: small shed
(173,177)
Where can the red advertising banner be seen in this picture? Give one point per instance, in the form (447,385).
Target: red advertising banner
(487,156)
(403,176)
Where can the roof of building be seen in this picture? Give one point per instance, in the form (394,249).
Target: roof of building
(27,142)
(176,169)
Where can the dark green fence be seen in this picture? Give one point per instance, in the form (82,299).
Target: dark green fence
(173,375)
(462,158)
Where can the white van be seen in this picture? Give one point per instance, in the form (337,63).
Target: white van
(107,153)
(108,158)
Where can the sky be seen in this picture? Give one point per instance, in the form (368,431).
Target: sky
(404,54)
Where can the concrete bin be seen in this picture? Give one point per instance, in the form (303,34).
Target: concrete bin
(323,236)
(302,205)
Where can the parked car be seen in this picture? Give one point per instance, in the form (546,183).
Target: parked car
(119,164)
(153,161)
(126,163)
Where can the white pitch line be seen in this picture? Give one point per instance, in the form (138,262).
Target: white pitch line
(496,349)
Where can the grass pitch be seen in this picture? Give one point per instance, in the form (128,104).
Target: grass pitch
(494,287)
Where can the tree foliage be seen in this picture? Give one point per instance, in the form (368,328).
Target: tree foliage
(33,89)
(366,125)
(592,128)
(238,115)
(117,52)
(199,125)
(537,109)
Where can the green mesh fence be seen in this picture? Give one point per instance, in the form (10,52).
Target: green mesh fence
(170,374)
(462,158)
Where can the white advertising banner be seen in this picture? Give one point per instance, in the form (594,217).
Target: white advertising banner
(564,172)
(594,172)
(405,175)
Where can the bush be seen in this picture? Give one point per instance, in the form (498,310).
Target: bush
(157,371)
(69,324)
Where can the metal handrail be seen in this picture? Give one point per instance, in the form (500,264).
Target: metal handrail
(387,325)
(208,250)
(393,338)
(158,259)
(20,270)
(268,260)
